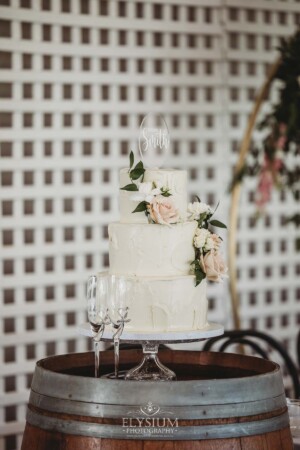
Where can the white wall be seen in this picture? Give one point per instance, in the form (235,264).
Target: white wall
(74,85)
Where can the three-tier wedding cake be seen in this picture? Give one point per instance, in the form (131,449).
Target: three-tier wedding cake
(155,244)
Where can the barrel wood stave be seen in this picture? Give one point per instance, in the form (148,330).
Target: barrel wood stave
(94,423)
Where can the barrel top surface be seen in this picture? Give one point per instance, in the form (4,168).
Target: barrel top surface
(62,363)
(200,379)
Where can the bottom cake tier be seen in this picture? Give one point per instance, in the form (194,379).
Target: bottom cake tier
(160,304)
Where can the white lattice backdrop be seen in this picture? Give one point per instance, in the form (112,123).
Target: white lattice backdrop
(76,77)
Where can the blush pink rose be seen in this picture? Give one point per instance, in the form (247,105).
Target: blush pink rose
(214,266)
(216,240)
(281,142)
(267,178)
(282,128)
(163,210)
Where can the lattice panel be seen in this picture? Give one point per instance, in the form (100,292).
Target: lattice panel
(76,77)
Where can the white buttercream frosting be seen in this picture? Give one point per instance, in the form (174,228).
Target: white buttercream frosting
(151,249)
(167,304)
(175,180)
(163,294)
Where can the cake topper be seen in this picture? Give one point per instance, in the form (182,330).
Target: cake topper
(154,140)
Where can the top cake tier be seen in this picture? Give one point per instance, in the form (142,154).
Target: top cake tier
(175,180)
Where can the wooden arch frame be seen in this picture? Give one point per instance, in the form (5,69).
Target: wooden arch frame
(236,193)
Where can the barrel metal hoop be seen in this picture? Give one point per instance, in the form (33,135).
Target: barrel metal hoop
(213,411)
(173,393)
(223,431)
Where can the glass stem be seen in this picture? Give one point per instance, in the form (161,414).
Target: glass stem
(97,358)
(117,355)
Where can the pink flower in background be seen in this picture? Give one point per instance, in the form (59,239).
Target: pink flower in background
(264,188)
(282,128)
(269,173)
(277,165)
(281,142)
(267,179)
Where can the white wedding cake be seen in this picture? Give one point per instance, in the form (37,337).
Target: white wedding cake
(156,247)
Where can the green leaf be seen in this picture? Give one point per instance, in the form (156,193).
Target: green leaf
(199,273)
(198,198)
(217,223)
(139,165)
(131,159)
(130,187)
(200,220)
(137,171)
(141,207)
(166,194)
(135,174)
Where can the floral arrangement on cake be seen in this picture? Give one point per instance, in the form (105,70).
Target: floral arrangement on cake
(208,262)
(274,161)
(153,198)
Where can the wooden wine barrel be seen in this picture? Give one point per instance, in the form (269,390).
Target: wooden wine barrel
(219,401)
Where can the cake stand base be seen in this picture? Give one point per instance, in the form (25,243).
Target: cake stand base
(150,368)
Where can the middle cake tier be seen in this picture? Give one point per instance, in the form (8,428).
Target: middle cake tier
(151,249)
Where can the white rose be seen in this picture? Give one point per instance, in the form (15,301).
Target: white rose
(158,184)
(143,192)
(209,244)
(146,193)
(201,235)
(155,192)
(197,208)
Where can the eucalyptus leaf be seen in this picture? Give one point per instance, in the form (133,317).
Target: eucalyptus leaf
(130,187)
(141,207)
(217,223)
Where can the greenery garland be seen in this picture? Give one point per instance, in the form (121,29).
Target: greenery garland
(270,162)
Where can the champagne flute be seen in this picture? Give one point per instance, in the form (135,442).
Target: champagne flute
(97,300)
(118,311)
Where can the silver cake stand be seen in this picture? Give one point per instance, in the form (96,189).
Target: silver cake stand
(150,367)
